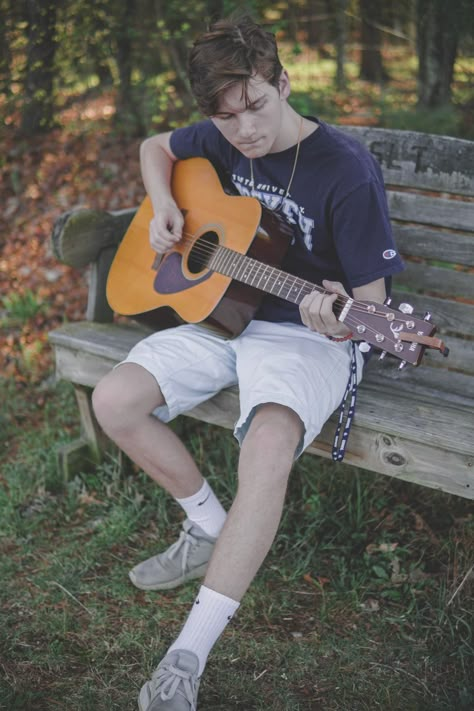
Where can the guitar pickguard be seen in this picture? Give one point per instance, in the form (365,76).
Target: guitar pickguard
(171,280)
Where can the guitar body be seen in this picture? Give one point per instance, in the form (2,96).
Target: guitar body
(145,287)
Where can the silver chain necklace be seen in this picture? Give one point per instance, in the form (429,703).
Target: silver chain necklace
(252,180)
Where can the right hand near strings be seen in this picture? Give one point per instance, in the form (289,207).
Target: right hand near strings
(166,227)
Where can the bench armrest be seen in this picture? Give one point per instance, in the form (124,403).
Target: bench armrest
(91,237)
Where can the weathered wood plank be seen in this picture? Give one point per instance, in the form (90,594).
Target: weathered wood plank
(411,460)
(85,362)
(422,381)
(438,211)
(420,160)
(110,341)
(437,280)
(461,356)
(430,243)
(451,316)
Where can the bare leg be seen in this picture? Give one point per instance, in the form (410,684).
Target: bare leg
(123,402)
(266,459)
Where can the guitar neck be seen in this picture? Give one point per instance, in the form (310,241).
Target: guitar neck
(262,276)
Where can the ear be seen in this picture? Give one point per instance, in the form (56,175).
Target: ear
(284,86)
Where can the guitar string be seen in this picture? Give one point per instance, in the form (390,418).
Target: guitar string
(207,249)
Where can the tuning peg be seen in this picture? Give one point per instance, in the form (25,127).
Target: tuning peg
(402,365)
(364,347)
(382,355)
(427,316)
(406,308)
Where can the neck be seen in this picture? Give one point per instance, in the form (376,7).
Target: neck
(294,128)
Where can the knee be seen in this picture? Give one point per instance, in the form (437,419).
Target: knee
(122,397)
(109,404)
(275,432)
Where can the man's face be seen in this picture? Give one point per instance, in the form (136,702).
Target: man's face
(253,127)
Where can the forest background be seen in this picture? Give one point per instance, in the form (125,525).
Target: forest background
(366,599)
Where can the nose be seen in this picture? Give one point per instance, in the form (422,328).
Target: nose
(247,129)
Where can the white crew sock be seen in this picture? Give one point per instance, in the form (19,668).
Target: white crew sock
(205,509)
(208,618)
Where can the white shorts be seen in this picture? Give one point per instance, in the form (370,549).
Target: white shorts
(282,363)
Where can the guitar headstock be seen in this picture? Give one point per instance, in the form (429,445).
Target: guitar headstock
(393,331)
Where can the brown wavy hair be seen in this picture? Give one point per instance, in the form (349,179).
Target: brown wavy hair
(232,51)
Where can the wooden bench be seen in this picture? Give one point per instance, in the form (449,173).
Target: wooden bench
(416,424)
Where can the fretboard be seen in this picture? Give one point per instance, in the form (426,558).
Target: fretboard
(259,275)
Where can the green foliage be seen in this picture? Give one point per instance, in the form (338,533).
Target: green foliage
(21,307)
(137,53)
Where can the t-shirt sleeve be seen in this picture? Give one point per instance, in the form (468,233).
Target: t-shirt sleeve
(200,140)
(363,235)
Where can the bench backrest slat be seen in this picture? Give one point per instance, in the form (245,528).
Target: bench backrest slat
(420,161)
(451,316)
(435,243)
(437,211)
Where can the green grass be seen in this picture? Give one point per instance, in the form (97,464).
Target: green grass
(21,307)
(352,609)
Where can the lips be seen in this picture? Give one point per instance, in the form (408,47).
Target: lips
(250,144)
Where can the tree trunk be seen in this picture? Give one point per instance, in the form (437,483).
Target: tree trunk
(437,44)
(38,108)
(128,114)
(5,53)
(341,7)
(371,66)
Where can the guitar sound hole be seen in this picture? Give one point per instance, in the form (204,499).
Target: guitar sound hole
(201,252)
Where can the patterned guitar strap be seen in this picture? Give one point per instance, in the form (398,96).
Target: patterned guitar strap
(346,411)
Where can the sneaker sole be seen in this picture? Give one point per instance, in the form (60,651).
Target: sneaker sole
(198,572)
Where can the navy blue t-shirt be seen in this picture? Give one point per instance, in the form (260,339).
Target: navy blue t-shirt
(337,205)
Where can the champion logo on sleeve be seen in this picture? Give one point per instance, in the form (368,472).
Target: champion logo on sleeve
(389,254)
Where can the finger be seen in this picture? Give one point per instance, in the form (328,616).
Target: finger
(317,312)
(160,237)
(334,286)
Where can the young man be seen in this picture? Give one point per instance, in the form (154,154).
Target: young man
(291,363)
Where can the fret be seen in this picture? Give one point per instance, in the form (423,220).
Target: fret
(290,287)
(264,276)
(228,265)
(259,267)
(299,297)
(283,284)
(242,274)
(294,291)
(216,260)
(277,284)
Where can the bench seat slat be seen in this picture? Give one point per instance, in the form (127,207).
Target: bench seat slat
(377,451)
(393,408)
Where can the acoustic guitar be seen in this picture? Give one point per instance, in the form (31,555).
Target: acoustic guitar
(227,260)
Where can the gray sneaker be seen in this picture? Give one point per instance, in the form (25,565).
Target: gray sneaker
(174,684)
(184,560)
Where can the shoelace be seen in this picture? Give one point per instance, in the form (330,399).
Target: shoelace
(168,680)
(185,541)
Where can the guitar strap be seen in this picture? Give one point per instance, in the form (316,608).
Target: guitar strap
(348,403)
